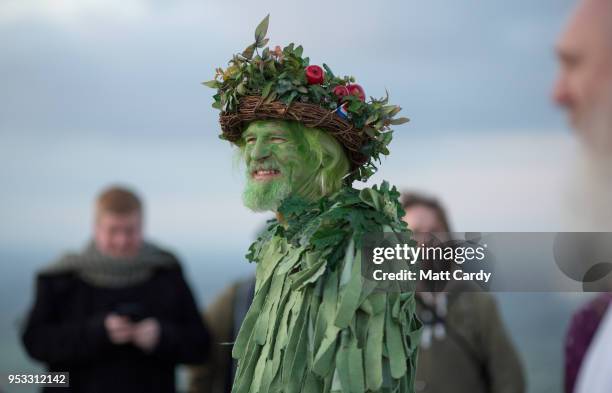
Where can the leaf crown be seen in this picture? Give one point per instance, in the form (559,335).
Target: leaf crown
(283,75)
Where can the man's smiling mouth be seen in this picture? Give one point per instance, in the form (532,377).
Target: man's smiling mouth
(265,174)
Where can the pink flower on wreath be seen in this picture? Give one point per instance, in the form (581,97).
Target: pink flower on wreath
(277,52)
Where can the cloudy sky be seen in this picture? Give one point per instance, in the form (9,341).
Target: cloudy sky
(95,92)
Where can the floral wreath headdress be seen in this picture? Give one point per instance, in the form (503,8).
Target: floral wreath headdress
(281,84)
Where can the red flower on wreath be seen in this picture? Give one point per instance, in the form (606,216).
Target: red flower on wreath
(357,90)
(340,92)
(314,75)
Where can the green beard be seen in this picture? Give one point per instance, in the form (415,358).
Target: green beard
(263,196)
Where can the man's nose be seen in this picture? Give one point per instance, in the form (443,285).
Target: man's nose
(121,240)
(561,93)
(260,151)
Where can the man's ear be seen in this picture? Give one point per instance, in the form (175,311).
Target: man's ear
(329,159)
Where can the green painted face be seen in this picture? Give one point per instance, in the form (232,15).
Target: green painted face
(279,163)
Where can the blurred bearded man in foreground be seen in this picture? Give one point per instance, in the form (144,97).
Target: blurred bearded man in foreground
(584,90)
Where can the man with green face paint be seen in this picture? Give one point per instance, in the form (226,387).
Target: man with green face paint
(285,158)
(314,325)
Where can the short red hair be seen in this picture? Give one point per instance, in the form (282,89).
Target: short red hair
(118,200)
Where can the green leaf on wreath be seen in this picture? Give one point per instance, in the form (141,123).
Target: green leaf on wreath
(262,29)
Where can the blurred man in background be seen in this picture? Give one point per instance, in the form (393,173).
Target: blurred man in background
(224,318)
(117,316)
(584,89)
(464,345)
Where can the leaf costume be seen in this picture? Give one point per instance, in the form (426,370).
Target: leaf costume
(315,324)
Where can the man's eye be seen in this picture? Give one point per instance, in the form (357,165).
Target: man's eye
(250,141)
(570,60)
(277,139)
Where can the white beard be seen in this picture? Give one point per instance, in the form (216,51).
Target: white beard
(595,130)
(590,196)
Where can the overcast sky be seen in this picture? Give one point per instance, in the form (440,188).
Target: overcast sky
(95,92)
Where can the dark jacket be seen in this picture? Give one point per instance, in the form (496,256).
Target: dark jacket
(65,330)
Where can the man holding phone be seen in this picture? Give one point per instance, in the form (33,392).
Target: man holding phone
(117,316)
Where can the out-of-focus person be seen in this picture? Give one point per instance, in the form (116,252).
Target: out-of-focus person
(584,89)
(118,316)
(464,344)
(224,317)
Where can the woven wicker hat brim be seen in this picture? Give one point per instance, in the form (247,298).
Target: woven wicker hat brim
(251,108)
